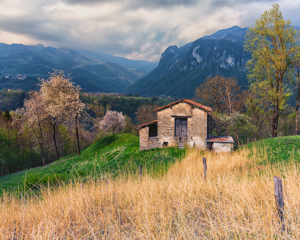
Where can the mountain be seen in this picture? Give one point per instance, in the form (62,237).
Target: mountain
(21,66)
(233,34)
(140,65)
(181,70)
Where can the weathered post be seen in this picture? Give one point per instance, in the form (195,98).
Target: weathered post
(107,181)
(204,167)
(140,173)
(81,185)
(279,199)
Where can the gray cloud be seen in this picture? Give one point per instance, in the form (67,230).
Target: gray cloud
(129,28)
(137,3)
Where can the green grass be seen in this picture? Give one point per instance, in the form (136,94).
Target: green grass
(108,157)
(277,150)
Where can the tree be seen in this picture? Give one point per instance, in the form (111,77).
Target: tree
(97,108)
(112,122)
(223,95)
(63,103)
(33,115)
(297,94)
(129,126)
(50,93)
(145,113)
(220,93)
(273,44)
(258,103)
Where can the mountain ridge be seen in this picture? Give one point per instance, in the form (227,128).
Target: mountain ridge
(128,63)
(22,65)
(181,70)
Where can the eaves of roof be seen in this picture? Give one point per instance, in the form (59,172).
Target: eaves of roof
(145,124)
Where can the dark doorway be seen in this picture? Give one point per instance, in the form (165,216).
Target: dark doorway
(180,127)
(153,130)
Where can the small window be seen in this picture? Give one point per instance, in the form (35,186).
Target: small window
(153,130)
(165,144)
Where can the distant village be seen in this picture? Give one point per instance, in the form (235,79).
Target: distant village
(18,76)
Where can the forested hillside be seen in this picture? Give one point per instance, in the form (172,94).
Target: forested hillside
(21,66)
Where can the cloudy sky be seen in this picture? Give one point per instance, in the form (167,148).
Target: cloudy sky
(134,29)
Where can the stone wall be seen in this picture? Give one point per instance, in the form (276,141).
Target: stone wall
(144,135)
(222,147)
(147,142)
(197,125)
(197,128)
(166,127)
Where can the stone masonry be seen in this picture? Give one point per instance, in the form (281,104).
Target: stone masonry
(145,141)
(196,115)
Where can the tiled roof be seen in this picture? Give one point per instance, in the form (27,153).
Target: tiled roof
(224,139)
(195,104)
(146,124)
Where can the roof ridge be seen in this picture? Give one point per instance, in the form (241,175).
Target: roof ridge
(208,109)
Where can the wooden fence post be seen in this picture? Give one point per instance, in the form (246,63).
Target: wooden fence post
(205,167)
(279,199)
(107,181)
(140,173)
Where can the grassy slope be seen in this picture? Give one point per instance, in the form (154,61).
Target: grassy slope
(109,156)
(280,149)
(113,155)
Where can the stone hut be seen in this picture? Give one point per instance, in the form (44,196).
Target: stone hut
(178,123)
(220,144)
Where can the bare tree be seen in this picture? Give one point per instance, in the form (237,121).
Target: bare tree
(220,93)
(145,113)
(112,122)
(223,95)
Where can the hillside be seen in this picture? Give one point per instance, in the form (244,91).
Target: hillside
(181,70)
(234,201)
(21,66)
(142,66)
(11,100)
(276,150)
(115,155)
(126,104)
(109,156)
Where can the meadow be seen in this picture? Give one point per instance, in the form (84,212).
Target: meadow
(235,201)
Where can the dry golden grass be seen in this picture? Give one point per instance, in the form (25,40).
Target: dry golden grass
(236,201)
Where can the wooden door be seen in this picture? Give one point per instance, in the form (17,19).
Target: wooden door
(180,127)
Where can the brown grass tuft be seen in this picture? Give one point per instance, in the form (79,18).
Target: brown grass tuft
(235,201)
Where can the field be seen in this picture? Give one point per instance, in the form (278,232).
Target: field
(235,201)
